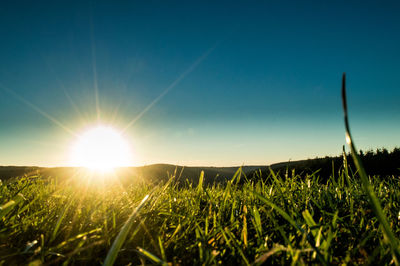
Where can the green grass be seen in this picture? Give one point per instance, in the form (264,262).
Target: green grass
(276,220)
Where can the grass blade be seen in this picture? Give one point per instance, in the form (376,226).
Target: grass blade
(151,256)
(10,205)
(59,221)
(120,239)
(373,199)
(201,180)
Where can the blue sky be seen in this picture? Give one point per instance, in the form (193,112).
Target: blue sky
(253,82)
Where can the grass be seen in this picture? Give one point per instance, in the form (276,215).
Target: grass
(277,220)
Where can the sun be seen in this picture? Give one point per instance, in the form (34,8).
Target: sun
(101,148)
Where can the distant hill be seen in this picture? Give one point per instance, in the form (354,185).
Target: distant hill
(7,172)
(151,173)
(380,162)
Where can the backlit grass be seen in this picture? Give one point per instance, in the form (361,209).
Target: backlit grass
(277,220)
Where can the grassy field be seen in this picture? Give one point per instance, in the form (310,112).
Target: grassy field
(277,220)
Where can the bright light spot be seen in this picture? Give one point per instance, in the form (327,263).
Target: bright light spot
(102,149)
(348,139)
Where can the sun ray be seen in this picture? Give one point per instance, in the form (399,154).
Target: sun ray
(37,109)
(171,86)
(67,95)
(94,69)
(75,107)
(115,113)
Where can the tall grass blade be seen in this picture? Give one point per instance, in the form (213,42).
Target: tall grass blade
(374,201)
(120,239)
(161,245)
(201,180)
(257,221)
(151,257)
(59,221)
(236,176)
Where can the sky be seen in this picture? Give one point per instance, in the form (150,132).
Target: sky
(221,83)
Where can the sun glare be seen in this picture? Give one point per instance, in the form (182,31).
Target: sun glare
(101,149)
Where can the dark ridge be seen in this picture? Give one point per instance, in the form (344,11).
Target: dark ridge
(151,173)
(380,162)
(7,172)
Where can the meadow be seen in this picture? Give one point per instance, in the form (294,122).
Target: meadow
(284,219)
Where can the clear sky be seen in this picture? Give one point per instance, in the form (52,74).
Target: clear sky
(198,83)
